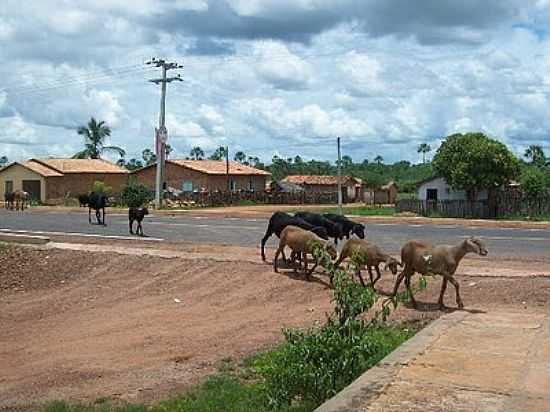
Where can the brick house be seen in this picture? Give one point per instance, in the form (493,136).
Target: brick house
(352,188)
(205,175)
(50,181)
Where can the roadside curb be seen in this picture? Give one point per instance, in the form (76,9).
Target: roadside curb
(25,239)
(372,383)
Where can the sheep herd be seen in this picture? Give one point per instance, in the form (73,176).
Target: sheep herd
(305,231)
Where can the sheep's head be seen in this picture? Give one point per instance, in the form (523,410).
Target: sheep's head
(359,230)
(476,245)
(392,264)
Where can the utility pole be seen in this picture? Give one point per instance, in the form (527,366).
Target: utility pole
(161,134)
(339,178)
(227,168)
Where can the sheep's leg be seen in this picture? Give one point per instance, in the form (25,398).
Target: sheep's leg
(139,229)
(308,273)
(409,290)
(131,224)
(378,275)
(104,223)
(276,258)
(90,215)
(458,299)
(442,293)
(267,235)
(398,281)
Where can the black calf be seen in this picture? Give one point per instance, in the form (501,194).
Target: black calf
(97,201)
(137,214)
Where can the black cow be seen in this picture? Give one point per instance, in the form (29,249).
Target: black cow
(334,229)
(280,220)
(97,201)
(83,200)
(9,198)
(349,227)
(137,214)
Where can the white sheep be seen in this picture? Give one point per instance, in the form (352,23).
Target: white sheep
(302,242)
(437,260)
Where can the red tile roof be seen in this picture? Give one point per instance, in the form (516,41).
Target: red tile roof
(218,167)
(319,180)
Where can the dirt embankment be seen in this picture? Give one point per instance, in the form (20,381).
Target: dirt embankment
(80,325)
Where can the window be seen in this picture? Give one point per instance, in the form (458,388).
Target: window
(9,186)
(187,186)
(431,194)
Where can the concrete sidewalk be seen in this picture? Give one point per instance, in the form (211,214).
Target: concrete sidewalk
(493,361)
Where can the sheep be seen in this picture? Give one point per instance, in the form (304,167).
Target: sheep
(137,214)
(370,255)
(425,259)
(334,229)
(280,220)
(97,201)
(302,242)
(349,227)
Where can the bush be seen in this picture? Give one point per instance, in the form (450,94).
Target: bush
(314,365)
(135,195)
(101,187)
(533,183)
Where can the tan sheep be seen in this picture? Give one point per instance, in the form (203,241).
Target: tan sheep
(370,255)
(426,259)
(302,242)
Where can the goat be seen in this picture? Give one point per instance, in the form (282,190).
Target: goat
(280,220)
(349,227)
(334,230)
(137,214)
(302,242)
(370,255)
(425,259)
(97,201)
(83,200)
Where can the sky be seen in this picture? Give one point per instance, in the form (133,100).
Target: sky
(275,77)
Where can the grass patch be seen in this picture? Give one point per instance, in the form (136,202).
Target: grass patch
(363,210)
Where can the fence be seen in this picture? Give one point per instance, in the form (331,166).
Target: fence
(239,198)
(506,204)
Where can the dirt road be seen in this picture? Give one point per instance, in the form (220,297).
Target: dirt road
(80,325)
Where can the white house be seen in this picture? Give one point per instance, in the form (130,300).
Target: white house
(436,188)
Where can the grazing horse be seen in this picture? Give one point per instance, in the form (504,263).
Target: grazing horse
(97,201)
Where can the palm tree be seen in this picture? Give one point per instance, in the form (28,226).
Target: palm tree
(424,148)
(219,154)
(379,159)
(95,134)
(148,157)
(536,154)
(240,157)
(196,153)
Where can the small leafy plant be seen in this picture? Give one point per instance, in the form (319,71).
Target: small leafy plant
(135,195)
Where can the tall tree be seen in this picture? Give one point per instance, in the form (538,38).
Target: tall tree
(3,160)
(95,133)
(240,157)
(535,154)
(219,154)
(134,164)
(379,160)
(168,149)
(474,162)
(196,153)
(424,148)
(347,162)
(254,161)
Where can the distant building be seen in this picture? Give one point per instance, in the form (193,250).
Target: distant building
(205,176)
(50,181)
(437,189)
(352,188)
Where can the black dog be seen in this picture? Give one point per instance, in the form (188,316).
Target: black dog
(137,214)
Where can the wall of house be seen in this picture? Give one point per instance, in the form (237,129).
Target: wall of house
(74,184)
(178,177)
(444,191)
(17,174)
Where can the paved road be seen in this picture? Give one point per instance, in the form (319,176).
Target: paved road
(248,232)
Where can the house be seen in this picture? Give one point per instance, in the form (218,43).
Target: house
(205,175)
(284,187)
(437,189)
(384,195)
(352,189)
(50,181)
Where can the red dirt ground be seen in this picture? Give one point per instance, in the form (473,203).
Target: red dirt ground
(79,326)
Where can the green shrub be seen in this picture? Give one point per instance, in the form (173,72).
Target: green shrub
(135,195)
(101,187)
